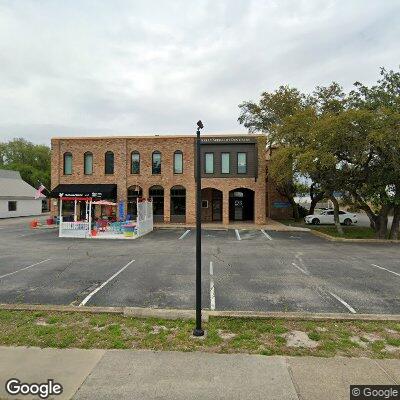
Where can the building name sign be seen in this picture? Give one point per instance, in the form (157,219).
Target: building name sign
(93,194)
(214,140)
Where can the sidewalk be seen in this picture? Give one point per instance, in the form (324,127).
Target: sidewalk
(142,375)
(270,225)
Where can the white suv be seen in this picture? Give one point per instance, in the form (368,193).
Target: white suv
(327,217)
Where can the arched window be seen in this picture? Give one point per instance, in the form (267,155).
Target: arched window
(178,162)
(134,192)
(156,163)
(88,163)
(178,204)
(135,162)
(109,163)
(67,163)
(157,195)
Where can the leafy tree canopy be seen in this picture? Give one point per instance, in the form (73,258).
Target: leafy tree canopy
(31,160)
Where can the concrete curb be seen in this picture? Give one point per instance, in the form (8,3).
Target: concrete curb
(306,316)
(141,312)
(163,313)
(60,308)
(339,239)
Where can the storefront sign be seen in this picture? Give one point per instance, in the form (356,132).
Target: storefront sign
(281,204)
(93,194)
(225,140)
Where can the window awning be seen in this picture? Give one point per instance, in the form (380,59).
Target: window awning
(97,191)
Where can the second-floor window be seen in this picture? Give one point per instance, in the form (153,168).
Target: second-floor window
(109,163)
(178,162)
(67,163)
(135,163)
(225,163)
(156,163)
(88,163)
(241,163)
(209,164)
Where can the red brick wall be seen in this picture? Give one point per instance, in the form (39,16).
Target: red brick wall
(166,145)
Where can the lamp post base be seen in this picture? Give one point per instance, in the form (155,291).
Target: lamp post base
(198,332)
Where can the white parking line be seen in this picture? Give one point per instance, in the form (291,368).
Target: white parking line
(266,234)
(89,296)
(212,289)
(300,269)
(237,235)
(347,305)
(385,269)
(23,269)
(184,235)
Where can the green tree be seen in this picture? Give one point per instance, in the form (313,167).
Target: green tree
(32,161)
(384,100)
(266,116)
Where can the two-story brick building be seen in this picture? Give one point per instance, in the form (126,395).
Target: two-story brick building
(234,181)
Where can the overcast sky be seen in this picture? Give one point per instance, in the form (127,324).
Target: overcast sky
(132,67)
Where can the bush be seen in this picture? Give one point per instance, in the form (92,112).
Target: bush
(302,211)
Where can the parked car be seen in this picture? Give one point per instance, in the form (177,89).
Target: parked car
(327,217)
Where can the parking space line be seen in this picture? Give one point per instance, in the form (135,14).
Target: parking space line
(89,296)
(212,289)
(300,269)
(184,235)
(347,305)
(266,234)
(237,235)
(385,269)
(23,269)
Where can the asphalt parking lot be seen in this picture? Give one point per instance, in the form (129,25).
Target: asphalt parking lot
(242,270)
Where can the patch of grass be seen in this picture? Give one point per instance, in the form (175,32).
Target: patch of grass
(314,336)
(393,341)
(53,319)
(349,232)
(254,336)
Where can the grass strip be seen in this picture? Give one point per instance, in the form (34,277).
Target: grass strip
(224,335)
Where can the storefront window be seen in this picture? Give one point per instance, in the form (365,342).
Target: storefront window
(157,195)
(134,192)
(178,204)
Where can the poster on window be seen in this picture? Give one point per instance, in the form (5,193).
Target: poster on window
(121,207)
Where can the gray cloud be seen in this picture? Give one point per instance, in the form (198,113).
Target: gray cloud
(122,67)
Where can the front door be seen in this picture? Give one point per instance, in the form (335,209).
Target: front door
(238,210)
(217,210)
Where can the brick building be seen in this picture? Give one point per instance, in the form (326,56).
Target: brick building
(234,175)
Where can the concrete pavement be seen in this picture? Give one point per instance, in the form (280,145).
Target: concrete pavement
(129,374)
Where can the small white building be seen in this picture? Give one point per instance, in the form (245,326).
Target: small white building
(17,198)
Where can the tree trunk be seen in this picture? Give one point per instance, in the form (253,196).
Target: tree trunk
(315,198)
(394,230)
(295,209)
(336,214)
(381,223)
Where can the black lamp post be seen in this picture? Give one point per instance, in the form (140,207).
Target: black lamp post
(198,331)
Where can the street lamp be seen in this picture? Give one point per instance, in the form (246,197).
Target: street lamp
(198,331)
